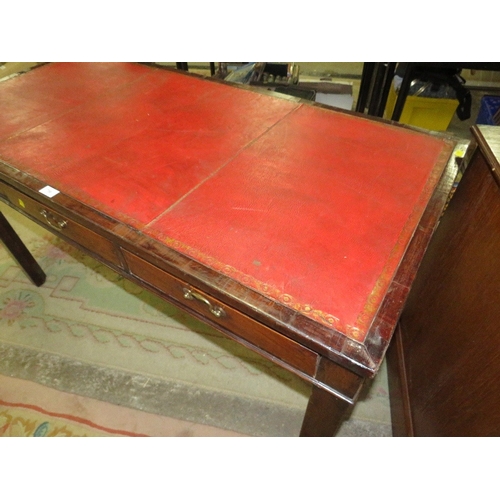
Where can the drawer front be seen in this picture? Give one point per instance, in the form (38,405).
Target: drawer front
(227,318)
(67,228)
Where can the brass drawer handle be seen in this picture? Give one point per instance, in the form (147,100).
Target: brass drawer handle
(52,221)
(215,310)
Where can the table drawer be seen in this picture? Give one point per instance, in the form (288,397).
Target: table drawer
(94,243)
(227,318)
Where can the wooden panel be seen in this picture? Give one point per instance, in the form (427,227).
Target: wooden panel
(227,318)
(449,354)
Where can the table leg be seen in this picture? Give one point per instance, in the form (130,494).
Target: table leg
(19,251)
(324,415)
(325,412)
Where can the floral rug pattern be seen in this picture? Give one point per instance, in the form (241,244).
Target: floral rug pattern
(32,422)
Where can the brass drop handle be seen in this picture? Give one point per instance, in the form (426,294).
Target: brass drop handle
(192,295)
(52,221)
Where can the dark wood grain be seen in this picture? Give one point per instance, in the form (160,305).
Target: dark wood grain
(230,320)
(447,354)
(398,388)
(326,411)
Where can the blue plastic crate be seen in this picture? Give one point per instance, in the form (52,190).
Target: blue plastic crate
(490,104)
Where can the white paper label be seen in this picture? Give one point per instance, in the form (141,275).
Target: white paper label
(48,191)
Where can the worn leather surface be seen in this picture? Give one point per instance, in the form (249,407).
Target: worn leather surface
(312,207)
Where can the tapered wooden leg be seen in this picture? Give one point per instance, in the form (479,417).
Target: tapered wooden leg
(324,415)
(19,251)
(325,412)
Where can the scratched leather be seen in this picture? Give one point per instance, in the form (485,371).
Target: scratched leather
(133,138)
(311,207)
(316,208)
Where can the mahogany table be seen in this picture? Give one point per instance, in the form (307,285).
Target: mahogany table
(294,228)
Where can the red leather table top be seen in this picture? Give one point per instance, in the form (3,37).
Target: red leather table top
(311,207)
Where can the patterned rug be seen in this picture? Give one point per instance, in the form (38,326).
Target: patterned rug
(90,332)
(28,409)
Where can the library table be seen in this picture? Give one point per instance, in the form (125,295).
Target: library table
(294,228)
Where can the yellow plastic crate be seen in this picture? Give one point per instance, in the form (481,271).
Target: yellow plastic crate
(430,113)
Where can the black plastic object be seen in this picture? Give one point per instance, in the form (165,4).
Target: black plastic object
(310,95)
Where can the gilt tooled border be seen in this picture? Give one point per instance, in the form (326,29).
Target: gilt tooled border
(359,330)
(269,291)
(373,302)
